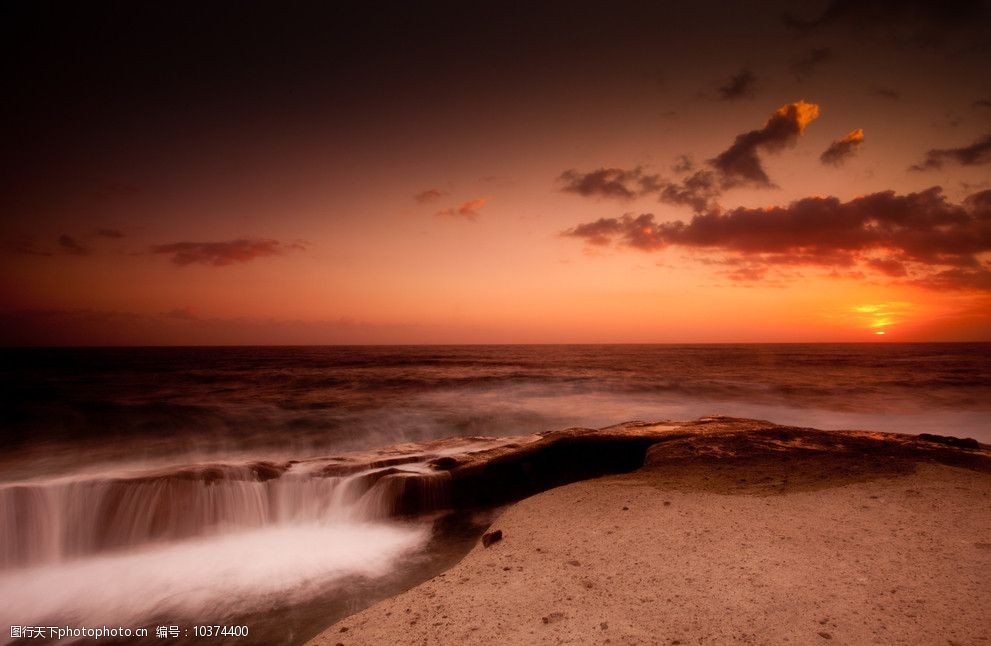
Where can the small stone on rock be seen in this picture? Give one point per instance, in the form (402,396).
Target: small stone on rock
(491,537)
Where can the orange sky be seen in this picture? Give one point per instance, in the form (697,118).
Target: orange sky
(440,216)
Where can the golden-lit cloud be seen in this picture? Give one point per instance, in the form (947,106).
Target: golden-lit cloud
(737,166)
(467,210)
(920,237)
(843,149)
(359,131)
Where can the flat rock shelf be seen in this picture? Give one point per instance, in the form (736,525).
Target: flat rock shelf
(711,531)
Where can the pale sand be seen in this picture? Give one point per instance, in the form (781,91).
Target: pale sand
(787,551)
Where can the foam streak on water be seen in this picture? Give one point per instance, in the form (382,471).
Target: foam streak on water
(206,579)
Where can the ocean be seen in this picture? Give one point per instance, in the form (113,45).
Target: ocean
(102,526)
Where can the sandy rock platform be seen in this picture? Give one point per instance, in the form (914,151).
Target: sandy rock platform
(729,533)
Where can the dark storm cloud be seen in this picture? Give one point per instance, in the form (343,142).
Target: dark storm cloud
(982,103)
(976,154)
(928,22)
(219,254)
(429,195)
(803,66)
(741,85)
(68,244)
(608,182)
(110,233)
(940,241)
(842,149)
(738,165)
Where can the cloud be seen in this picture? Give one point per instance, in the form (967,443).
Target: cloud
(683,164)
(697,191)
(25,245)
(920,236)
(741,85)
(959,278)
(219,254)
(468,210)
(981,103)
(68,244)
(599,232)
(843,149)
(738,165)
(888,266)
(916,22)
(888,93)
(429,195)
(471,207)
(803,66)
(609,182)
(64,244)
(976,154)
(750,273)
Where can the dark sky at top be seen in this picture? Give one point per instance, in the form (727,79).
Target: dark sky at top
(214,127)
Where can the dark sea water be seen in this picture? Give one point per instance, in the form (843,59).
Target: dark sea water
(163,402)
(78,426)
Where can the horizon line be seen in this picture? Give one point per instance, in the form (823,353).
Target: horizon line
(475,345)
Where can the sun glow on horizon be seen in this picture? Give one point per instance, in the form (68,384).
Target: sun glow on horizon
(877,317)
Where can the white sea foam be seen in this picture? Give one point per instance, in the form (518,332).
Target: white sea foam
(205,579)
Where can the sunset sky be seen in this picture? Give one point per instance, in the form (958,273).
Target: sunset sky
(280,173)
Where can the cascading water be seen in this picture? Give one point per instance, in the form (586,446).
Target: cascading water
(200,543)
(49,522)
